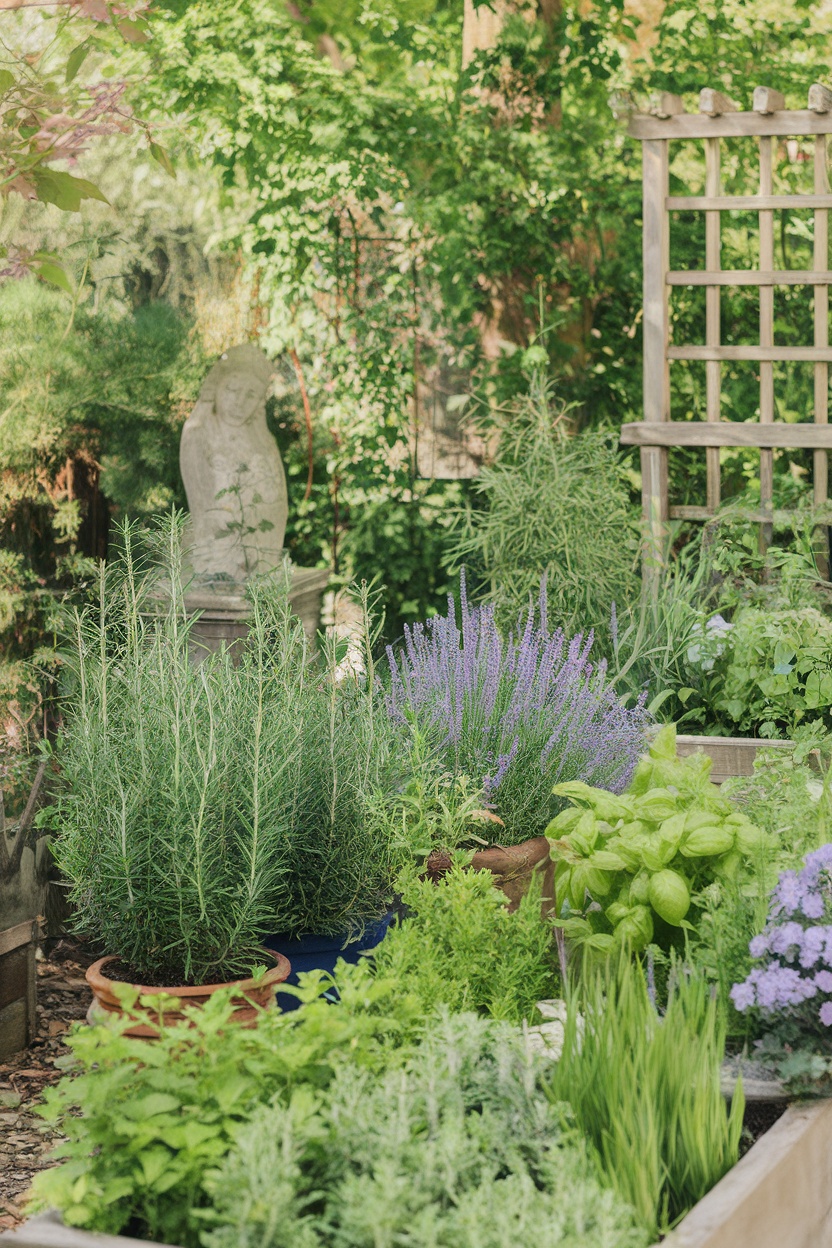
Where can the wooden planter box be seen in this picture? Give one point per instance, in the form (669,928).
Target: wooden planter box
(18,997)
(22,896)
(732,756)
(778,1196)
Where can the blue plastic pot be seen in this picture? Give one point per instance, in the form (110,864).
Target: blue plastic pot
(320,953)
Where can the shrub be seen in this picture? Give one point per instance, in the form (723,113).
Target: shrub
(516,715)
(772,670)
(555,504)
(459,947)
(458,1150)
(632,1076)
(204,805)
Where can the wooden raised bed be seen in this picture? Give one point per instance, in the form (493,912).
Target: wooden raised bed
(18,998)
(732,756)
(778,1196)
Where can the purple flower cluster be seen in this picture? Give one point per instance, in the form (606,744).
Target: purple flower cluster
(798,949)
(518,714)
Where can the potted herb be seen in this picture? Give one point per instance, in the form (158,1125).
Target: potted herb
(204,805)
(514,715)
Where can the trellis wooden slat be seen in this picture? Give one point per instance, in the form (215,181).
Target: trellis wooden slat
(744,203)
(766,332)
(749,277)
(820,259)
(713,367)
(747,351)
(656,248)
(727,433)
(789,123)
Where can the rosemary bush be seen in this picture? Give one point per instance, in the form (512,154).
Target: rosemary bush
(556,503)
(206,804)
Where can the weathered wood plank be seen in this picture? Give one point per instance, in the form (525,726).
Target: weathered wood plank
(766,100)
(656,255)
(789,122)
(808,355)
(726,433)
(665,104)
(820,98)
(714,103)
(21,934)
(744,203)
(766,337)
(820,258)
(749,277)
(713,368)
(732,756)
(685,511)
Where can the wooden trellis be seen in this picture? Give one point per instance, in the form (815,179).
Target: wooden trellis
(717,120)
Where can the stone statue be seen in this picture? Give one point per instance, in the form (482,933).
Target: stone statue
(233,472)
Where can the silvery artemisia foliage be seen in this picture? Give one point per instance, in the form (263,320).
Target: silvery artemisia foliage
(517,714)
(459,1149)
(796,945)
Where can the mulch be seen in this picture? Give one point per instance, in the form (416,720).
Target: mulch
(25,1140)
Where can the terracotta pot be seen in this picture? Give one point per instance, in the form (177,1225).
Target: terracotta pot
(512,867)
(254,995)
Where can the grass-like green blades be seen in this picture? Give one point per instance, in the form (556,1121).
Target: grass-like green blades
(645,1088)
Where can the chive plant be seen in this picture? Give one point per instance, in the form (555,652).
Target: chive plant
(645,1088)
(204,804)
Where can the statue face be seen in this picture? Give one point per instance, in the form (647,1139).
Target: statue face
(238,398)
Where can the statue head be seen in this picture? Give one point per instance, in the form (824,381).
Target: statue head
(235,390)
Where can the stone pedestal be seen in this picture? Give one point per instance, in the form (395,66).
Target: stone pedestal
(222,616)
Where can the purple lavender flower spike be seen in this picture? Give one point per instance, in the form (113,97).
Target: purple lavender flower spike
(518,713)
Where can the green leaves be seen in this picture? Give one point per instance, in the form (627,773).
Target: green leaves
(146,1123)
(77,57)
(54,274)
(674,834)
(669,896)
(64,189)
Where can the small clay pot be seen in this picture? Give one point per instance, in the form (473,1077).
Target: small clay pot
(512,867)
(250,998)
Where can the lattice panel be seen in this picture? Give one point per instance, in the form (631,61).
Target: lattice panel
(656,433)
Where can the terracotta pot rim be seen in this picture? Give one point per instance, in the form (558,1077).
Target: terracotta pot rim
(277,974)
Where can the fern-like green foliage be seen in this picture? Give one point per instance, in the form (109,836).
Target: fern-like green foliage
(645,1089)
(73,382)
(206,804)
(554,504)
(460,947)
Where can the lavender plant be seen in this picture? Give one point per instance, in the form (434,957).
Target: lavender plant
(516,714)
